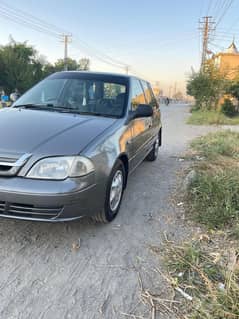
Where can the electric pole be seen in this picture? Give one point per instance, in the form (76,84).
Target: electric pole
(66,40)
(127,69)
(169,91)
(175,88)
(206,26)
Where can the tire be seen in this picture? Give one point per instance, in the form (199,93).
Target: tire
(152,156)
(111,207)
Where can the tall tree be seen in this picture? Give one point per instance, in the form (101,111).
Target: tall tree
(84,64)
(19,66)
(207,87)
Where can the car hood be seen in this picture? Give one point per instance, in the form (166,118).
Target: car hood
(48,133)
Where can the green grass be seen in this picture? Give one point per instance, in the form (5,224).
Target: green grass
(210,118)
(224,143)
(213,196)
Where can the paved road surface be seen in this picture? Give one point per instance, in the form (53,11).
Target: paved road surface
(42,277)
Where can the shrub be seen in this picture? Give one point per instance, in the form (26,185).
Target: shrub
(228,108)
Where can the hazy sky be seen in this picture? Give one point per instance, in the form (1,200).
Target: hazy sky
(159,39)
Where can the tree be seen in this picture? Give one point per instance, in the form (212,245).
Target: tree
(60,64)
(178,96)
(207,87)
(233,89)
(84,64)
(20,67)
(73,65)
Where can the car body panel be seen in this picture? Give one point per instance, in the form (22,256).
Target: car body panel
(46,132)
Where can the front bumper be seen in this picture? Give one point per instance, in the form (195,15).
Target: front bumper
(51,201)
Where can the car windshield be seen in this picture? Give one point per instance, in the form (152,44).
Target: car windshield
(84,96)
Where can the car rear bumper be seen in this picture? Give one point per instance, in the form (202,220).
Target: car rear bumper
(51,201)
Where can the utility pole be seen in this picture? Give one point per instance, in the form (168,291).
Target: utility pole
(206,25)
(175,88)
(169,91)
(127,69)
(66,40)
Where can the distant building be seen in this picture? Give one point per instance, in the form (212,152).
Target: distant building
(228,61)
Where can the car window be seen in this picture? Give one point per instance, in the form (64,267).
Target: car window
(43,93)
(137,95)
(81,95)
(150,98)
(146,91)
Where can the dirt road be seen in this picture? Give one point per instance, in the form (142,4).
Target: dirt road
(42,277)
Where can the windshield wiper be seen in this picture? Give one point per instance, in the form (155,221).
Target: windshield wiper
(58,108)
(47,107)
(95,114)
(35,106)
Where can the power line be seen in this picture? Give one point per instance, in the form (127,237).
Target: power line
(28,20)
(209,6)
(25,15)
(227,7)
(219,7)
(25,23)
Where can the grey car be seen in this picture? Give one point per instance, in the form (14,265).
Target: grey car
(69,144)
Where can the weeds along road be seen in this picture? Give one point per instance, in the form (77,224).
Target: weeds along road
(45,275)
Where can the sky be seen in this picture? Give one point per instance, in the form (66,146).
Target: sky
(158,39)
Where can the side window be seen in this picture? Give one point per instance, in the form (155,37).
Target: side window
(137,95)
(150,98)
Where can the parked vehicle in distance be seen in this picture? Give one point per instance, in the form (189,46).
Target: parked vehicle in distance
(70,144)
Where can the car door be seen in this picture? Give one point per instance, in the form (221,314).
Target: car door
(140,127)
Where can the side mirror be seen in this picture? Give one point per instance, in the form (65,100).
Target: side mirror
(143,110)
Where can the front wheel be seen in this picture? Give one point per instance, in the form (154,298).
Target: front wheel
(114,194)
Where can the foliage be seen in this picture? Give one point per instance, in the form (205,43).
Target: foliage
(207,87)
(199,117)
(178,96)
(21,66)
(72,65)
(224,143)
(228,108)
(213,196)
(233,89)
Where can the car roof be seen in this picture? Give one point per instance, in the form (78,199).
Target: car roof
(107,74)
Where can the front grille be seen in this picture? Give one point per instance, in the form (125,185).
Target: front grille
(8,159)
(28,211)
(9,166)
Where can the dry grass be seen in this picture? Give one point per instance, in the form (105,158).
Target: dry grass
(203,279)
(209,277)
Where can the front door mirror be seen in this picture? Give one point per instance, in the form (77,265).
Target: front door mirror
(143,110)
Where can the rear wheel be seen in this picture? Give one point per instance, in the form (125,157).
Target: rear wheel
(114,194)
(152,156)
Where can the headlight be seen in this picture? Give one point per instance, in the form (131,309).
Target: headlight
(59,168)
